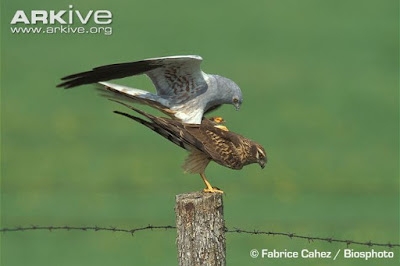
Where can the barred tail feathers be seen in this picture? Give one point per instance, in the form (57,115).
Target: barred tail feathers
(158,129)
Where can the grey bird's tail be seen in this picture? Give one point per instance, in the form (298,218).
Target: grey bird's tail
(123,93)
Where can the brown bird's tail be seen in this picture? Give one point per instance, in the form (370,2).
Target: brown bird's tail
(149,116)
(158,125)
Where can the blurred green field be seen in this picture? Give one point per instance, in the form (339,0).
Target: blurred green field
(320,85)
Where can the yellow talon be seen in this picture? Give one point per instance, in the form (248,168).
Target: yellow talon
(209,188)
(217,119)
(213,190)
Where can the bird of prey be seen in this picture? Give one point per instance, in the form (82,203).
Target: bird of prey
(205,142)
(184,91)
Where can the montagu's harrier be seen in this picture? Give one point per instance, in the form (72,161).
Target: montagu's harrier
(184,92)
(205,142)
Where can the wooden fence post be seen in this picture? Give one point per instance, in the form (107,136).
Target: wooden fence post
(201,229)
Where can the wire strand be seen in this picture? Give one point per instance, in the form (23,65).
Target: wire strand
(132,231)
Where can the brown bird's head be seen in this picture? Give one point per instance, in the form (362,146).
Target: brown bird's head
(258,154)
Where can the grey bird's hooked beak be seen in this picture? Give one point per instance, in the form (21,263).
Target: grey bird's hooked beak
(237,106)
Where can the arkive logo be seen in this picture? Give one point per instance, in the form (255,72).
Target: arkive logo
(70,21)
(51,17)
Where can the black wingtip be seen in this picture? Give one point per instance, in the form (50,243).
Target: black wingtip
(77,75)
(108,72)
(61,85)
(65,85)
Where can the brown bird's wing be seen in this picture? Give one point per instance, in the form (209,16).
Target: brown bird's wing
(224,147)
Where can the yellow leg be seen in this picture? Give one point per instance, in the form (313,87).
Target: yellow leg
(209,188)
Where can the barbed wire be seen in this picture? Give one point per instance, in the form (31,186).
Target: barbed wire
(132,231)
(86,228)
(313,238)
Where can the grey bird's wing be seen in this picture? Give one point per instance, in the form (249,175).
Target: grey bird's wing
(176,78)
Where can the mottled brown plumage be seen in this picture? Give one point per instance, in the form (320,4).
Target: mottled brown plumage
(205,142)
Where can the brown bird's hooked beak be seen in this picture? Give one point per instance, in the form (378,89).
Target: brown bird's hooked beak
(262,163)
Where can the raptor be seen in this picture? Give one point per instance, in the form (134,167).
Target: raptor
(184,91)
(205,143)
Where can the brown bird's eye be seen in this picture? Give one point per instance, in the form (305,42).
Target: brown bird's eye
(235,100)
(260,151)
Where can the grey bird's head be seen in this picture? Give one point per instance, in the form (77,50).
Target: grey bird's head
(231,91)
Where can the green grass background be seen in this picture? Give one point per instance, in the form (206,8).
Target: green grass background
(320,85)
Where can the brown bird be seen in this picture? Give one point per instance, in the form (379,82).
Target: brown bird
(205,142)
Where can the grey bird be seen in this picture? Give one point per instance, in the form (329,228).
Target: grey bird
(184,91)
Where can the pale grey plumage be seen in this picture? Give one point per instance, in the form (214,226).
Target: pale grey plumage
(183,90)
